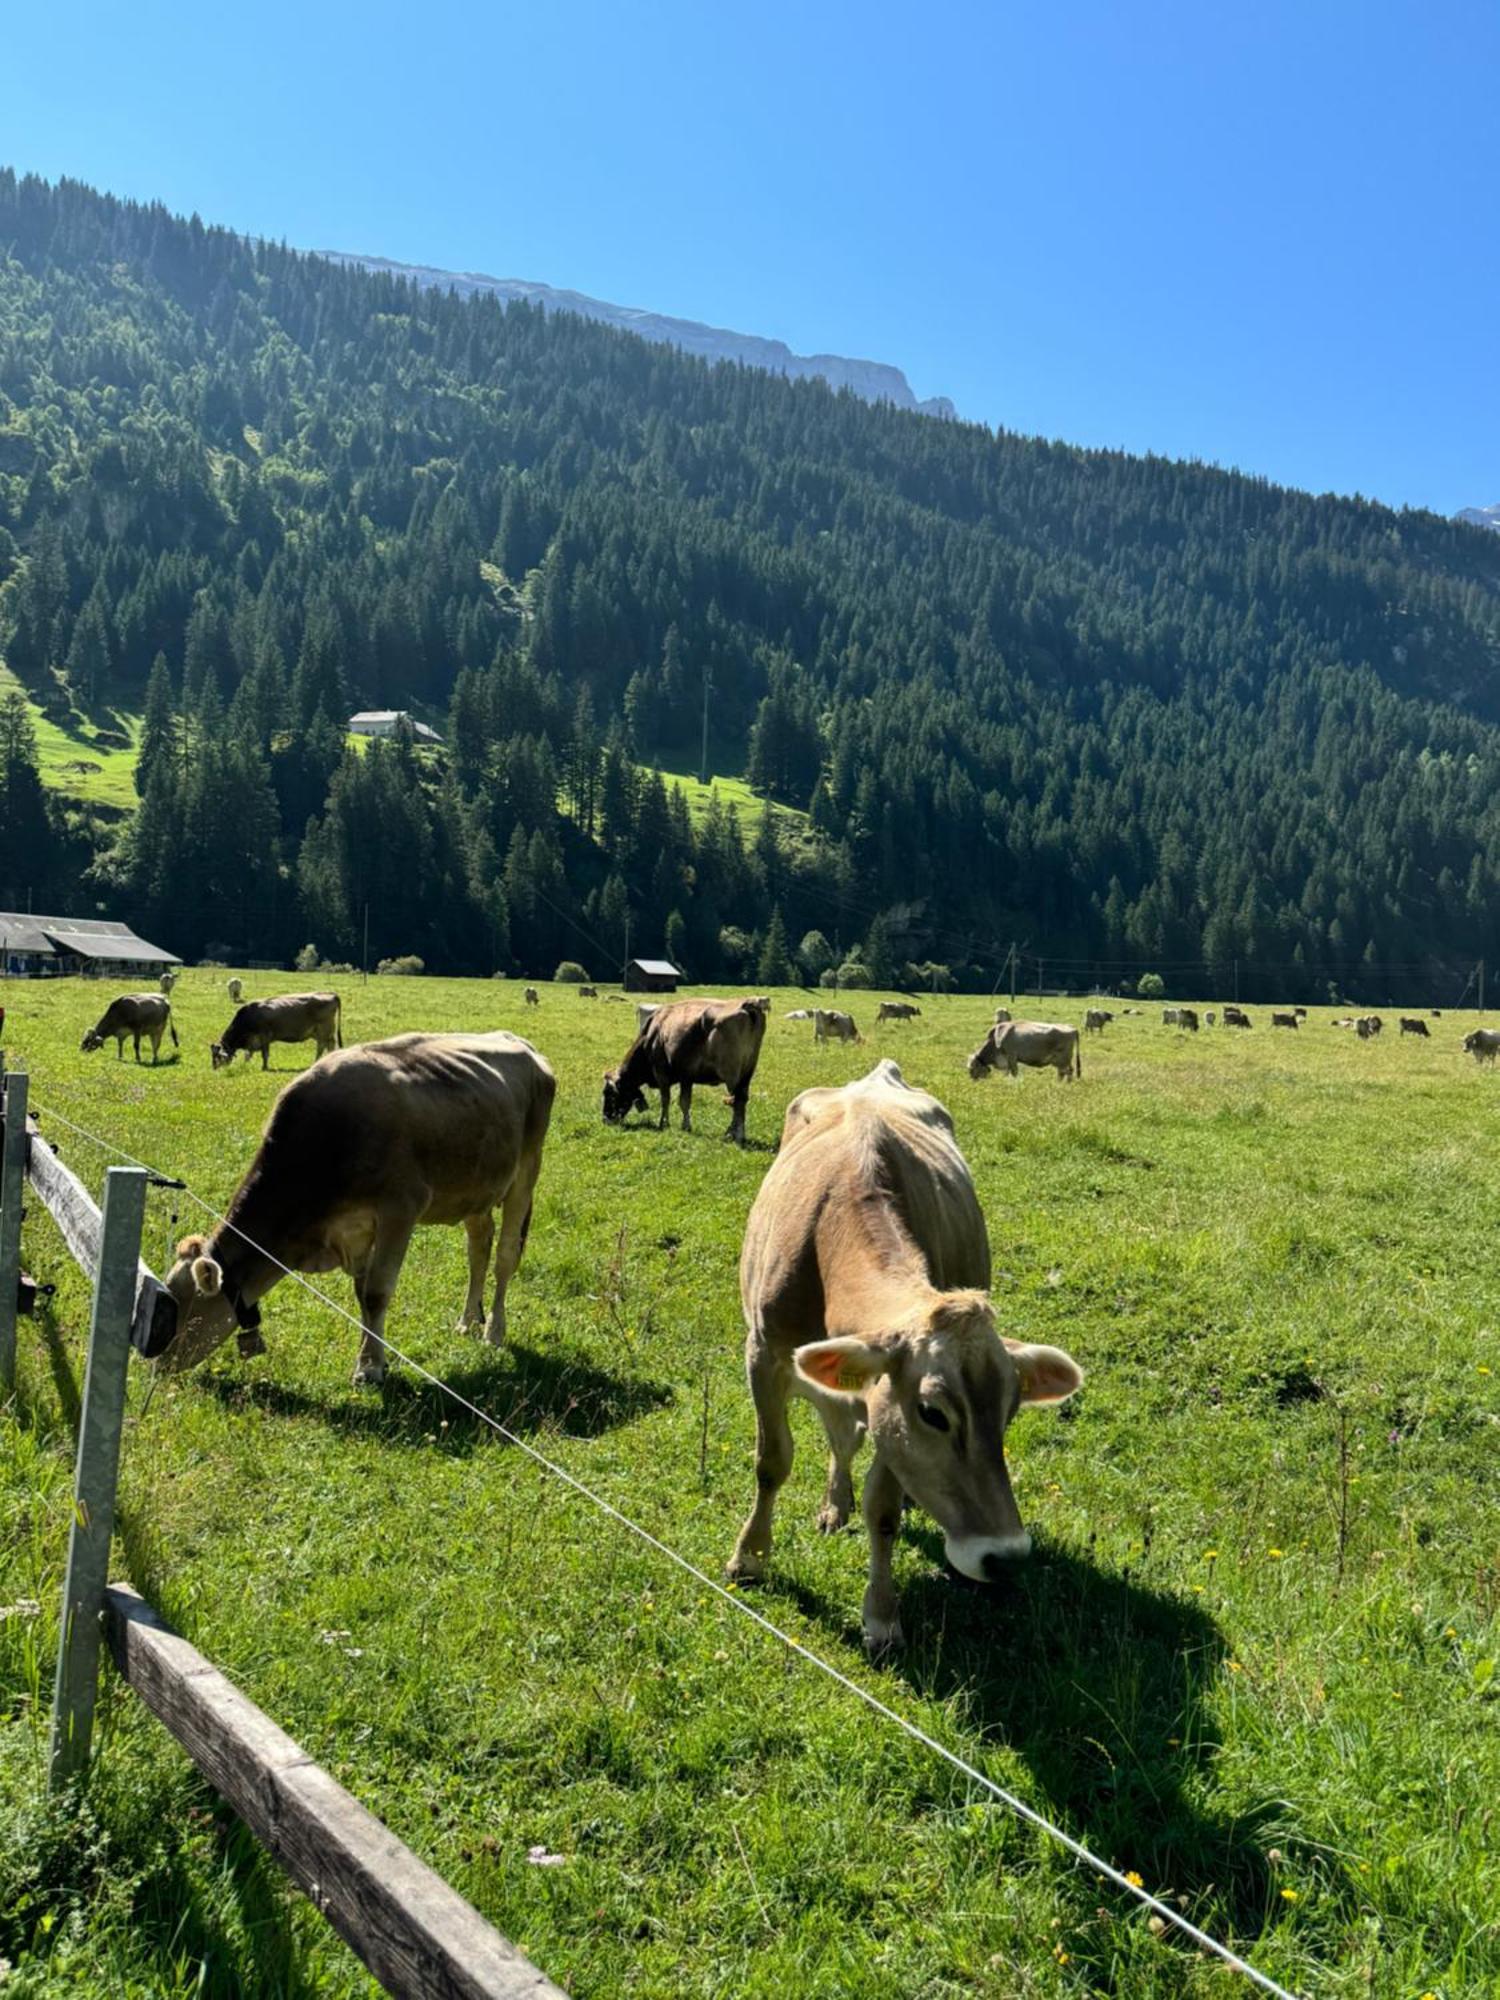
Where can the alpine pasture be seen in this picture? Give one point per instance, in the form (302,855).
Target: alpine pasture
(1252,1659)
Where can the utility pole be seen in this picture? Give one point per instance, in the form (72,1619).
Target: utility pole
(365,958)
(708,687)
(1039,979)
(1236,982)
(1481,986)
(625,969)
(1013,974)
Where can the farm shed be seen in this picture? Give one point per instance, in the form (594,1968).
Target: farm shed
(34,947)
(390,722)
(651,975)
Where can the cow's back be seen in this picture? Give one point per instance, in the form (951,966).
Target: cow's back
(873,1144)
(439,1119)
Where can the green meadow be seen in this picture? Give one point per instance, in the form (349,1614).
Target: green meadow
(1252,1659)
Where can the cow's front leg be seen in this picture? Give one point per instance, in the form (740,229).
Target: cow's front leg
(770,1382)
(136,1044)
(666,1107)
(738,1102)
(844,1428)
(265,1056)
(685,1100)
(481,1234)
(882,1511)
(515,1225)
(374,1287)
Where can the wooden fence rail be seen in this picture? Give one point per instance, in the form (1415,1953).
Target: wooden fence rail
(415,1934)
(418,1936)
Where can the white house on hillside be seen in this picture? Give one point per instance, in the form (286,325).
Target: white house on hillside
(390,722)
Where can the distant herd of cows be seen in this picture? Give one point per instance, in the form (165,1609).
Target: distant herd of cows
(865,1268)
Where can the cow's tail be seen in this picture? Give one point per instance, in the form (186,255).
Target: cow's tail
(1078,1057)
(172,1031)
(338,1025)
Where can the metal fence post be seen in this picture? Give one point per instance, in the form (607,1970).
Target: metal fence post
(98,1471)
(12,1191)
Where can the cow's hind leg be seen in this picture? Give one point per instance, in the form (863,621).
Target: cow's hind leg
(374,1286)
(685,1102)
(738,1100)
(515,1225)
(770,1383)
(481,1234)
(666,1107)
(845,1431)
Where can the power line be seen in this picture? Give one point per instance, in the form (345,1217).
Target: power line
(1017,1805)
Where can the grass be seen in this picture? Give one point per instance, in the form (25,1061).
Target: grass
(751,806)
(71,761)
(1253,1658)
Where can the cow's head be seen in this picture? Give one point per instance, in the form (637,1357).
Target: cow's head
(221,1056)
(938,1397)
(91,1041)
(979,1061)
(205,1315)
(618,1103)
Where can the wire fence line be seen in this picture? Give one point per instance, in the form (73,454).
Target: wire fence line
(1204,1940)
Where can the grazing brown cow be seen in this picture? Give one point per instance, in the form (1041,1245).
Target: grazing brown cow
(688,1042)
(235,988)
(1483,1044)
(829,1026)
(896,1010)
(864,1281)
(588,993)
(293,1017)
(1096,1020)
(1300,1012)
(1283,1020)
(1187,1017)
(166,982)
(532,997)
(133,1014)
(1028,1044)
(1236,1017)
(1410,1025)
(358,1151)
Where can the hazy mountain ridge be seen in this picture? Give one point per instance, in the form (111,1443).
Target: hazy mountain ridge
(875,381)
(1481,517)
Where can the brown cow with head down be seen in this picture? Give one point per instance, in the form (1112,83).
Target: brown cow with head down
(359,1150)
(688,1042)
(133,1014)
(294,1017)
(1031,1045)
(864,1280)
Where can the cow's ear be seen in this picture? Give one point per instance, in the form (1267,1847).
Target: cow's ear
(847,1364)
(1048,1375)
(207,1276)
(190,1246)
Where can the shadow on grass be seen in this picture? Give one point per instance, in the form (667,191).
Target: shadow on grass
(1104,1687)
(523,1389)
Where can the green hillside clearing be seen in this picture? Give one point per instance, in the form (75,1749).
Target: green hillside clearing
(74,762)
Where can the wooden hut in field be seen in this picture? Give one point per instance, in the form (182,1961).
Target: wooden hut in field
(651,975)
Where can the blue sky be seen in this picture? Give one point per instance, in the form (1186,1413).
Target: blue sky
(1264,236)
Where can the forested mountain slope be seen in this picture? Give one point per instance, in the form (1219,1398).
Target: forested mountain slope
(1128,710)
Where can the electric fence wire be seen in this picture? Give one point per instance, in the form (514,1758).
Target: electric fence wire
(1201,1938)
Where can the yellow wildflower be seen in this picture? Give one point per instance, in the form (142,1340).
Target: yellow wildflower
(1136,1881)
(1290,1895)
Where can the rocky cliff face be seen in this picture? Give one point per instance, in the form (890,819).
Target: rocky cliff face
(1481,517)
(876,381)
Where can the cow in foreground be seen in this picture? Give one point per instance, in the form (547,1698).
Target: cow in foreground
(829,1026)
(688,1042)
(133,1014)
(359,1150)
(896,1010)
(292,1017)
(1483,1044)
(1030,1045)
(864,1280)
(1411,1025)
